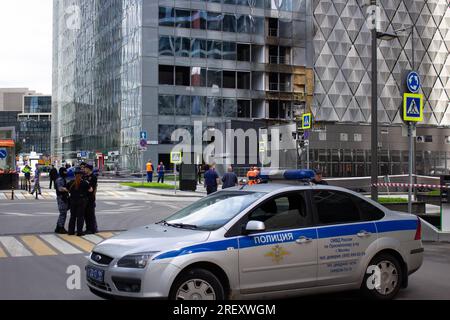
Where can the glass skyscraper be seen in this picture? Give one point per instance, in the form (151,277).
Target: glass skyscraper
(126,66)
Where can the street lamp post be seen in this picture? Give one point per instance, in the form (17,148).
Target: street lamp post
(410,128)
(374,126)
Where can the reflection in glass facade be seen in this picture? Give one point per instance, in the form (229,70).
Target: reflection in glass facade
(37,104)
(35,125)
(96,75)
(127,66)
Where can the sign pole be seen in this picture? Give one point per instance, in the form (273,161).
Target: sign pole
(410,166)
(175,175)
(307,156)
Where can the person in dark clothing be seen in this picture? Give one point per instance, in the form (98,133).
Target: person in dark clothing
(318,179)
(211,180)
(200,173)
(53,175)
(62,198)
(230,179)
(79,190)
(91,220)
(161,172)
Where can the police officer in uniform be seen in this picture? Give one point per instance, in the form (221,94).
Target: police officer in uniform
(91,220)
(79,190)
(62,198)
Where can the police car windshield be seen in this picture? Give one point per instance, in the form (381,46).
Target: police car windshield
(213,212)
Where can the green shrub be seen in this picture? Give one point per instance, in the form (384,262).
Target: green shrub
(146,185)
(392,200)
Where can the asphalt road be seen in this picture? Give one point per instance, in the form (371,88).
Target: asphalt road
(42,278)
(46,277)
(23,217)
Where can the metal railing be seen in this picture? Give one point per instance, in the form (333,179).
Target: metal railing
(282,87)
(277,60)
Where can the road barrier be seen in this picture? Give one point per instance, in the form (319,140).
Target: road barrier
(407,185)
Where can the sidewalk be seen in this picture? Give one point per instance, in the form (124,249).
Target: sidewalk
(200,193)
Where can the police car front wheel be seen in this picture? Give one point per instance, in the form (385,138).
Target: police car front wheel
(383,281)
(197,284)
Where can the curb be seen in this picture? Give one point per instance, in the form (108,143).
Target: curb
(175,195)
(431,234)
(178,195)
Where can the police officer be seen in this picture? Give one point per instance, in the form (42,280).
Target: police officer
(79,190)
(62,198)
(91,221)
(27,173)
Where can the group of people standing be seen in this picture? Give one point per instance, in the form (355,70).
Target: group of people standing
(213,180)
(79,196)
(37,179)
(161,171)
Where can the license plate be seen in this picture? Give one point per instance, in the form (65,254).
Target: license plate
(95,274)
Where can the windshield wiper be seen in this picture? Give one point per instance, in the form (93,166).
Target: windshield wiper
(179,225)
(164,222)
(184,226)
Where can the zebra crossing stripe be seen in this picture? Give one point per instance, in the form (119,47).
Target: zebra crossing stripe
(2,253)
(19,196)
(93,238)
(14,247)
(60,245)
(78,242)
(106,235)
(2,196)
(38,246)
(29,196)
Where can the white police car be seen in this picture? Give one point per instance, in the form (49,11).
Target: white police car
(264,241)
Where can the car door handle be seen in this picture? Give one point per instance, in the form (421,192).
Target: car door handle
(364,234)
(304,240)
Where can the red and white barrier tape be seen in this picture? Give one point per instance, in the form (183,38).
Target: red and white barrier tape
(406,185)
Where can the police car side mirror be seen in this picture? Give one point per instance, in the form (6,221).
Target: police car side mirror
(255,227)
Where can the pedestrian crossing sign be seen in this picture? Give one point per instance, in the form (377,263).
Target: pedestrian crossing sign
(307,121)
(413,107)
(176,158)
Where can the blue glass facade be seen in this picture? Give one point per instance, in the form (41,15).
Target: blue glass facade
(143,65)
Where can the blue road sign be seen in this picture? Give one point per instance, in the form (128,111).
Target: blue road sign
(307,117)
(413,82)
(83,154)
(413,107)
(144,135)
(3,153)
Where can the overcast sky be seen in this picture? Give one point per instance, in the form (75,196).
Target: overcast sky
(26,44)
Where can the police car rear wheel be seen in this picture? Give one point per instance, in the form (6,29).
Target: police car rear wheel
(389,284)
(197,284)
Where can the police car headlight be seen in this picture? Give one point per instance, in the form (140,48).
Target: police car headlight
(136,261)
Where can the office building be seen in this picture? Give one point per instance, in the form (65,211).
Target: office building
(127,66)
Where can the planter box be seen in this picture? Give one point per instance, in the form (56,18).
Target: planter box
(434,200)
(417,207)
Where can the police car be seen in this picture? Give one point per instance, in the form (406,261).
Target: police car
(263,242)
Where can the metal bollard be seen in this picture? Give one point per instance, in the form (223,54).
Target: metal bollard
(12,193)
